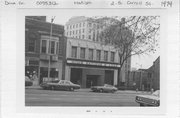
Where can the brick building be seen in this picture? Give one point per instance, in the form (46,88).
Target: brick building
(145,79)
(41,50)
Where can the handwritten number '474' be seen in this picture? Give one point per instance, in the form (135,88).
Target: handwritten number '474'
(166,4)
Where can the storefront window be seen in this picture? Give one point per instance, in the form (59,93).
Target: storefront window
(91,54)
(74,52)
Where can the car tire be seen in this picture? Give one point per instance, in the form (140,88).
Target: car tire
(71,89)
(112,91)
(52,87)
(101,90)
(141,104)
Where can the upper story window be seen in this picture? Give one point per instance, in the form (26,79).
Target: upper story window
(49,46)
(31,47)
(44,46)
(82,53)
(79,24)
(89,36)
(105,55)
(79,31)
(76,25)
(70,26)
(52,47)
(98,55)
(83,24)
(73,26)
(90,54)
(82,36)
(89,24)
(112,56)
(83,30)
(74,52)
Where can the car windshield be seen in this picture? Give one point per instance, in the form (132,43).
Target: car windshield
(156,93)
(107,85)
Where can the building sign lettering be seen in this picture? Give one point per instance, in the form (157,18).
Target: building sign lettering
(92,63)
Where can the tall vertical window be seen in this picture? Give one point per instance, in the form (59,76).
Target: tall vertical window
(31,47)
(74,52)
(90,54)
(82,53)
(52,47)
(112,56)
(83,30)
(82,36)
(89,36)
(93,36)
(98,55)
(90,24)
(43,47)
(83,24)
(79,24)
(76,25)
(57,47)
(105,55)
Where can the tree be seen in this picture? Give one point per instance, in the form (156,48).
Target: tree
(134,35)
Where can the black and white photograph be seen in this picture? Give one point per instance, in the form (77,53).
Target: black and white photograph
(92,61)
(89,59)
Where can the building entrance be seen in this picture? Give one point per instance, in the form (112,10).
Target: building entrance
(92,80)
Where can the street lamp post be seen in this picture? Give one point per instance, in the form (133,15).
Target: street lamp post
(49,63)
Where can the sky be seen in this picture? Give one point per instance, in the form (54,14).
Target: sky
(142,61)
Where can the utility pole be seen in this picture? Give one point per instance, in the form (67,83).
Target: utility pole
(49,50)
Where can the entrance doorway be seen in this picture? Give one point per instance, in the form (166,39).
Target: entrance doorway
(92,80)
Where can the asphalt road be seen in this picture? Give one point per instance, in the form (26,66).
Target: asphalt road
(82,97)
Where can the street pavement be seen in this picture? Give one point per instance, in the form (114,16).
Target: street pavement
(35,96)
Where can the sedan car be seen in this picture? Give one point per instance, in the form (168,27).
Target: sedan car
(28,82)
(60,85)
(105,88)
(149,100)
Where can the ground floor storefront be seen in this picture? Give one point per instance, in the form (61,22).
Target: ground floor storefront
(38,70)
(88,75)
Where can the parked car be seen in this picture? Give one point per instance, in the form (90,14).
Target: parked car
(28,82)
(105,88)
(60,85)
(149,100)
